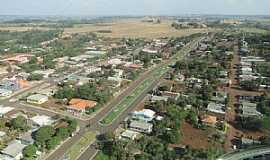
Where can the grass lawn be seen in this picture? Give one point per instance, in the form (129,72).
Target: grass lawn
(101,156)
(76,149)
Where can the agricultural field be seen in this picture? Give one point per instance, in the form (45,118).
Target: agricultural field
(133,29)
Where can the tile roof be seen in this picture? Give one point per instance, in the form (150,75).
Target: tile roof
(80,104)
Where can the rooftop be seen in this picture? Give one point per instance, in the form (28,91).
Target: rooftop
(13,149)
(42,120)
(139,124)
(80,104)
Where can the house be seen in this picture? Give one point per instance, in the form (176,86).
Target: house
(26,138)
(129,135)
(171,95)
(140,126)
(249,109)
(209,120)
(39,121)
(47,91)
(9,84)
(18,59)
(216,108)
(145,115)
(45,73)
(115,61)
(37,99)
(5,92)
(80,105)
(5,110)
(154,98)
(13,150)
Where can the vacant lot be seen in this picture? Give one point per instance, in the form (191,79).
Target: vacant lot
(197,138)
(133,28)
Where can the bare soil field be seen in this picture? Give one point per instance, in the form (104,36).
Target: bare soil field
(196,138)
(133,29)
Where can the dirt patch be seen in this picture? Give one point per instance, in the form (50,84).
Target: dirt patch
(195,138)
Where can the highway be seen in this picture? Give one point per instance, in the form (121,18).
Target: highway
(95,126)
(249,153)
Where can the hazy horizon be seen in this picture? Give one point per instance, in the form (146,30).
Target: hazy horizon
(134,8)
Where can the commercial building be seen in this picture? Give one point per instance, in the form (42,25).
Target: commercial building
(37,99)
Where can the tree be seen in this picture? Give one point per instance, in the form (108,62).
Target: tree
(192,118)
(65,92)
(35,77)
(146,60)
(48,62)
(72,125)
(62,133)
(29,151)
(53,142)
(19,123)
(44,134)
(252,123)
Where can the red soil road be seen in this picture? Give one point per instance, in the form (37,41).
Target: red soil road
(230,113)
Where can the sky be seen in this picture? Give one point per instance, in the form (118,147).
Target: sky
(134,7)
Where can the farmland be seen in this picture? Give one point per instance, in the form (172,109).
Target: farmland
(133,29)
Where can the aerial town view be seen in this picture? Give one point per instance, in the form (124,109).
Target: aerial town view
(135,80)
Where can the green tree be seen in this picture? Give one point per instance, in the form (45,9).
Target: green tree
(53,142)
(48,62)
(35,77)
(29,151)
(62,133)
(44,134)
(19,123)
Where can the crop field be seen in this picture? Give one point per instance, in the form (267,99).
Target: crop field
(133,29)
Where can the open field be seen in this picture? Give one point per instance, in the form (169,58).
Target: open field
(22,29)
(133,29)
(253,30)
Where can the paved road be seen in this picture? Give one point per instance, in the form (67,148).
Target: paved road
(95,125)
(94,122)
(250,153)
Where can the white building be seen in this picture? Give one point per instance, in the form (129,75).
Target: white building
(37,99)
(142,127)
(13,151)
(145,115)
(39,121)
(5,92)
(5,110)
(130,135)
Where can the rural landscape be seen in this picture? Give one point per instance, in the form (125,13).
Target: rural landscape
(135,87)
